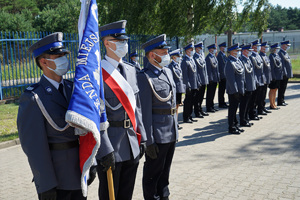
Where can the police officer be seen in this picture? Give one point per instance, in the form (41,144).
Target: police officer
(213,77)
(52,148)
(277,74)
(119,148)
(190,79)
(257,63)
(222,59)
(134,60)
(199,59)
(177,76)
(267,72)
(287,71)
(157,90)
(235,76)
(250,85)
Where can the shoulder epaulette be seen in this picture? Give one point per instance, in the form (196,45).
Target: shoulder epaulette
(143,70)
(68,80)
(128,63)
(32,87)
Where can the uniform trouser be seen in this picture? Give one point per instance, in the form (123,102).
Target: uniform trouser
(221,91)
(244,103)
(68,195)
(259,105)
(123,177)
(264,95)
(281,90)
(252,104)
(200,96)
(156,173)
(189,102)
(233,106)
(210,94)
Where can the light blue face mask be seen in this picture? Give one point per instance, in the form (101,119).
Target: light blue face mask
(62,65)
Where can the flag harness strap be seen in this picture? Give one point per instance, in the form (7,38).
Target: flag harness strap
(46,114)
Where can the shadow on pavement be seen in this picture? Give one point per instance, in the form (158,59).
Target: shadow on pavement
(272,144)
(205,134)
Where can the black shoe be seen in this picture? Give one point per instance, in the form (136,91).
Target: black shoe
(179,127)
(267,111)
(254,118)
(223,106)
(165,198)
(245,124)
(204,113)
(274,108)
(188,121)
(281,104)
(199,116)
(261,112)
(216,109)
(210,110)
(193,120)
(234,131)
(239,129)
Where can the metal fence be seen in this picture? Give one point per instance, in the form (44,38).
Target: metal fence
(270,37)
(19,70)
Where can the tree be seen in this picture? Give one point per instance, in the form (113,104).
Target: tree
(64,18)
(227,18)
(16,22)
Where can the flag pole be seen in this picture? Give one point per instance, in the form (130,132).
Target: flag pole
(110,183)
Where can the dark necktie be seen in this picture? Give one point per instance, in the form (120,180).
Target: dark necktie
(61,90)
(120,68)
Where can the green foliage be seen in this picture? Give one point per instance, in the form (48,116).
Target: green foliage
(288,18)
(16,22)
(17,6)
(63,18)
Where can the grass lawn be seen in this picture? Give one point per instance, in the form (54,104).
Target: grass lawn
(296,65)
(8,122)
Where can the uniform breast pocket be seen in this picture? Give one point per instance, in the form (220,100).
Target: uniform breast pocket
(161,89)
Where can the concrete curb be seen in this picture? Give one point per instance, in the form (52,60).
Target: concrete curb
(10,143)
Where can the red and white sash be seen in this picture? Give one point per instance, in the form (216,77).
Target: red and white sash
(121,88)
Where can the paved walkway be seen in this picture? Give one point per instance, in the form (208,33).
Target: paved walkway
(260,164)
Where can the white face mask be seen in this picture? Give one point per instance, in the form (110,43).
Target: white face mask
(165,60)
(192,53)
(258,48)
(288,47)
(267,49)
(62,65)
(177,59)
(225,49)
(215,51)
(249,53)
(121,48)
(239,53)
(277,50)
(135,59)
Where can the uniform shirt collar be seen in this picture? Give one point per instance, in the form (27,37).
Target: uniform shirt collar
(112,61)
(158,68)
(53,82)
(245,57)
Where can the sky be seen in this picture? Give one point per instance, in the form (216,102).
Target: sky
(286,3)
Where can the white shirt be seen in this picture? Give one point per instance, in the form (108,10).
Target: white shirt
(113,62)
(53,82)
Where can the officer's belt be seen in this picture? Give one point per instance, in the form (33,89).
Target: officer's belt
(125,123)
(171,111)
(64,145)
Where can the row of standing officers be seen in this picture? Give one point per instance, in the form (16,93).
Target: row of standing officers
(245,75)
(52,147)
